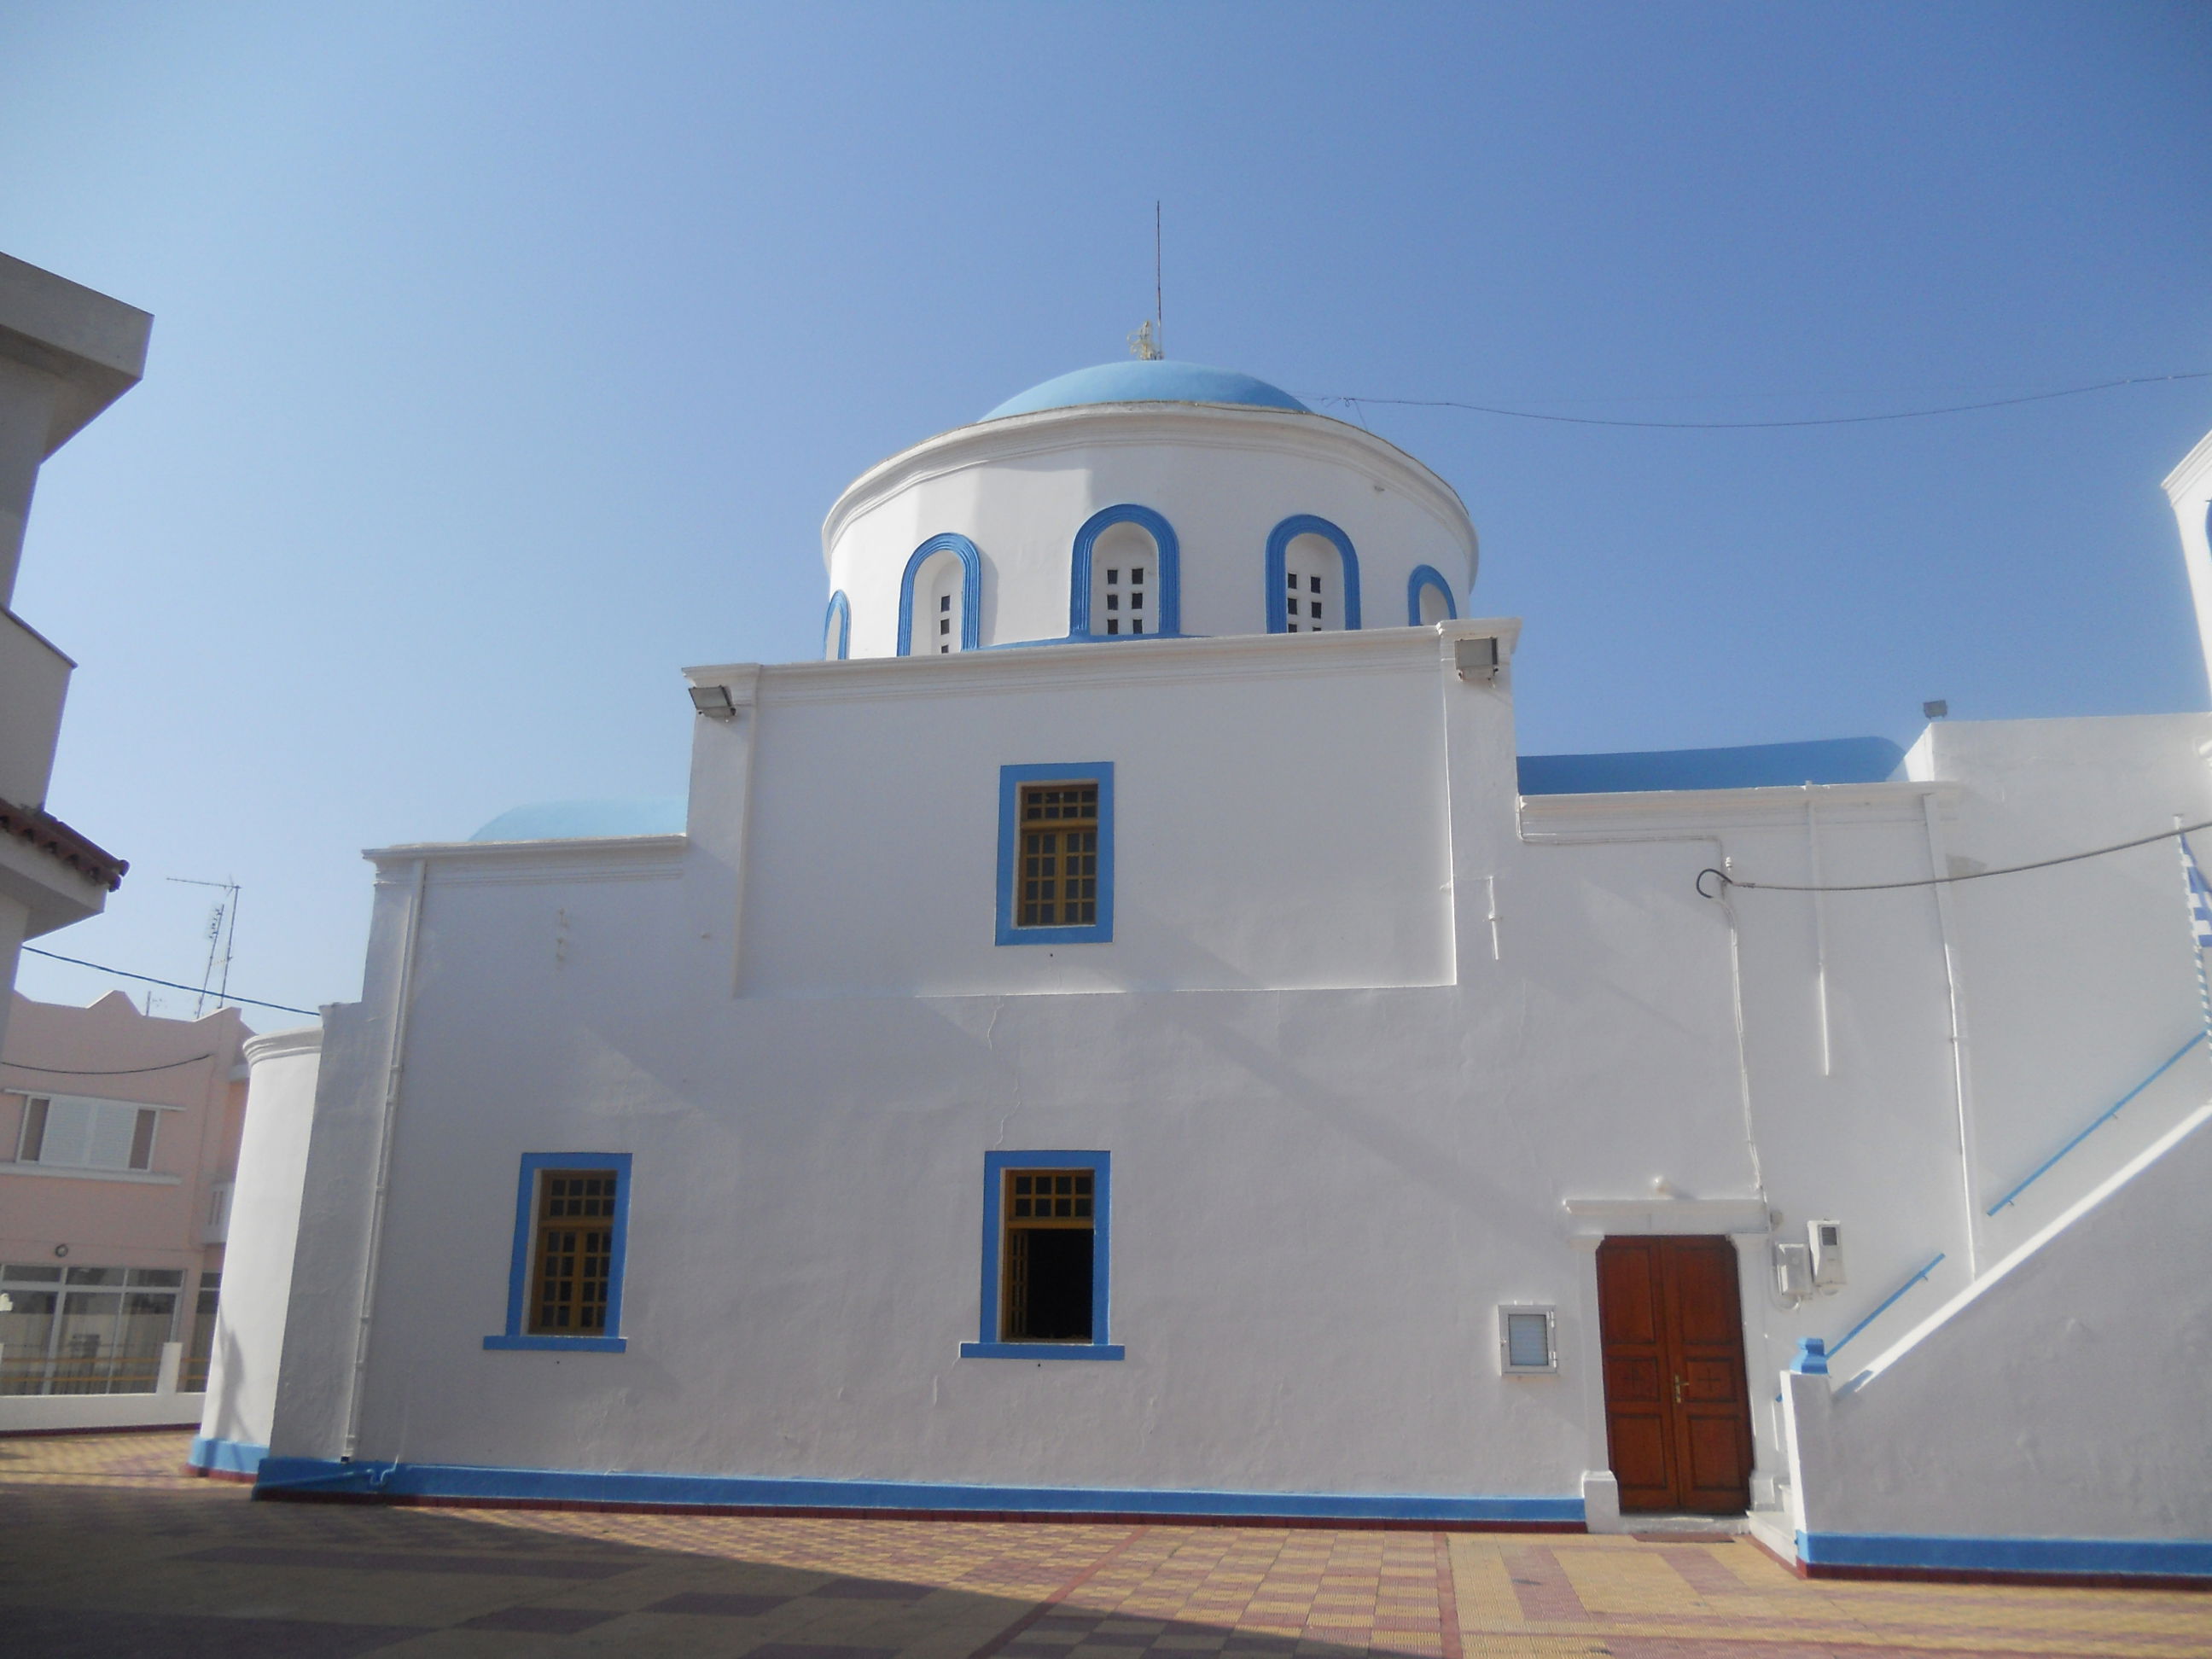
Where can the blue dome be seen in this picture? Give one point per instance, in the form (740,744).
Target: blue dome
(1155,380)
(593,820)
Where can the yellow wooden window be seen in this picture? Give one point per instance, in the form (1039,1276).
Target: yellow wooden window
(1059,855)
(1046,1255)
(573,1266)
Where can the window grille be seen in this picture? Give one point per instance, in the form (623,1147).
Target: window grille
(1313,577)
(1130,595)
(1046,1257)
(574,1256)
(1060,856)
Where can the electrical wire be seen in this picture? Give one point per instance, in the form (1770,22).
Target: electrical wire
(148,979)
(1728,880)
(1745,426)
(127,1070)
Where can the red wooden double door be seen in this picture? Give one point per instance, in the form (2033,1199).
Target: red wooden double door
(1677,1410)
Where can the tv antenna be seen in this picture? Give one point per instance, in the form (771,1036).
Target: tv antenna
(1149,341)
(221,929)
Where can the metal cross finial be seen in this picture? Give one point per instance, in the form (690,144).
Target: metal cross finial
(1145,344)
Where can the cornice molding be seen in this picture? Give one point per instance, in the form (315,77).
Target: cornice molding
(1121,662)
(583,858)
(1591,1217)
(282,1045)
(2194,466)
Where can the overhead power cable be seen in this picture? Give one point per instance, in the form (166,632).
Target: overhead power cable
(127,1071)
(1354,404)
(148,979)
(1728,880)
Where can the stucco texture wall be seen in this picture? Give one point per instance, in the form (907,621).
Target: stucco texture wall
(2063,1399)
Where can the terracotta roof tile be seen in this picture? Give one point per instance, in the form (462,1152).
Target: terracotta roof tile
(50,834)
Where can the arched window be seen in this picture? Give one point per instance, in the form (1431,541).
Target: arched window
(1127,576)
(1428,598)
(837,629)
(1313,577)
(941,598)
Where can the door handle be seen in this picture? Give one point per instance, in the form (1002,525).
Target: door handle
(1678,1390)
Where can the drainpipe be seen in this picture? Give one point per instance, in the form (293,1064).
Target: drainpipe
(1961,1084)
(385,1128)
(1819,933)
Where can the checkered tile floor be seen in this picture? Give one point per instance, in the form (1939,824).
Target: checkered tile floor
(106,1550)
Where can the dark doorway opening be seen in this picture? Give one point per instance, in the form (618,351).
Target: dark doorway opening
(1677,1407)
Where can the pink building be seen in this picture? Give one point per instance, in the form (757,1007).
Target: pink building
(118,1143)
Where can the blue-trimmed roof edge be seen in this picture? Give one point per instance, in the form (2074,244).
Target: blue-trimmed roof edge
(1755,766)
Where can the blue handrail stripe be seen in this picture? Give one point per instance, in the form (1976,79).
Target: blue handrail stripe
(2043,1168)
(1888,1303)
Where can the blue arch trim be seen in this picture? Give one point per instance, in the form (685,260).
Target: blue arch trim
(1426,575)
(839,616)
(971,591)
(1170,614)
(1279,543)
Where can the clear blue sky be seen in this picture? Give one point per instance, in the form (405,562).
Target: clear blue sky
(507,357)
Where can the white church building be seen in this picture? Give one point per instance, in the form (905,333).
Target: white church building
(1127,1033)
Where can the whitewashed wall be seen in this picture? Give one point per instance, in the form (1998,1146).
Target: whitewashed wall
(1322,1191)
(2062,1400)
(2079,980)
(1280,816)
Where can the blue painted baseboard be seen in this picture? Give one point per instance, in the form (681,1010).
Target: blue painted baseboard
(305,1475)
(2174,1558)
(225,1456)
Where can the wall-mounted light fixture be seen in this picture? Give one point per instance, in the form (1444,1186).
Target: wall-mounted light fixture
(714,702)
(1476,660)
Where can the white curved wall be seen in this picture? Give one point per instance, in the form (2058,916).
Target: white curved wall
(2189,487)
(1224,478)
(264,1228)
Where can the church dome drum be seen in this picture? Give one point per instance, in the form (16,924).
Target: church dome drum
(1141,500)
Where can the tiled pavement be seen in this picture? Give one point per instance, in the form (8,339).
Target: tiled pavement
(105,1550)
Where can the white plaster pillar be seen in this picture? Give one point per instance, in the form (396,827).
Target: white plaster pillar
(1601,1490)
(2188,488)
(1808,1434)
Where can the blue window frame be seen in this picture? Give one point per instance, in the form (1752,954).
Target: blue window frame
(1278,545)
(837,627)
(971,590)
(1000,1169)
(1168,613)
(527,1196)
(1426,576)
(1011,882)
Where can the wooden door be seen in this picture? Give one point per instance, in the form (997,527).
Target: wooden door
(1677,1409)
